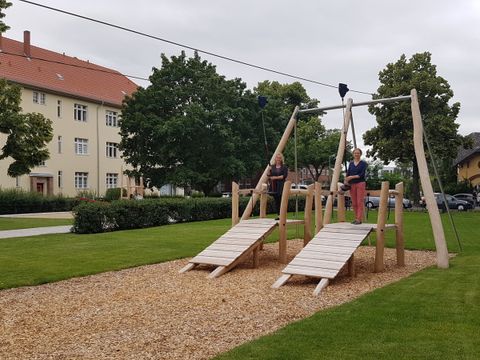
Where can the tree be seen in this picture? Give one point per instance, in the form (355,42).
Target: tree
(27,134)
(282,99)
(191,127)
(316,147)
(392,138)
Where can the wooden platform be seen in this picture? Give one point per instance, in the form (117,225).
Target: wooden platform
(326,254)
(232,248)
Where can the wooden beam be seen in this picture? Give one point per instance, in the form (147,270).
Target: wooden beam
(280,147)
(321,285)
(338,161)
(307,227)
(235,198)
(217,272)
(382,219)
(281,280)
(263,201)
(282,242)
(437,227)
(318,207)
(187,267)
(399,242)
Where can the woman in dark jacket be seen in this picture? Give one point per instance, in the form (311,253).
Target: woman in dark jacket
(277,175)
(356,180)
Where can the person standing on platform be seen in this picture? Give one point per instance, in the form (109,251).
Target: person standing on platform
(356,180)
(277,175)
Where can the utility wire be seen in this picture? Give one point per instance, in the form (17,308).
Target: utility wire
(74,65)
(188,47)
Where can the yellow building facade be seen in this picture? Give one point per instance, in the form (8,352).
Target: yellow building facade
(468,162)
(83,101)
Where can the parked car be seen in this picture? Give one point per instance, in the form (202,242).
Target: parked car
(453,202)
(466,197)
(372,202)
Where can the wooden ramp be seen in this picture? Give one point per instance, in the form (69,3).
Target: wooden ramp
(326,254)
(232,248)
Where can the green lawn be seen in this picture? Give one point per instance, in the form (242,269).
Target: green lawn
(24,223)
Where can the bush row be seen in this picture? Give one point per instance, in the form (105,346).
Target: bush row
(97,217)
(17,201)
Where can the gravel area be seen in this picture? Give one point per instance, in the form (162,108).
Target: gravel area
(152,312)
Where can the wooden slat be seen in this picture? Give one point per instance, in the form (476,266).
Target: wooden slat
(343,242)
(210,260)
(322,256)
(225,247)
(241,236)
(325,234)
(328,249)
(315,263)
(220,254)
(345,231)
(339,244)
(234,242)
(316,272)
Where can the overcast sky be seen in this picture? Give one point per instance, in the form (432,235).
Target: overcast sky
(326,41)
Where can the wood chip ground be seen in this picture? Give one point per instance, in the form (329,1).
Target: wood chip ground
(152,312)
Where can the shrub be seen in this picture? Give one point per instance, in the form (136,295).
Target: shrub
(17,201)
(112,194)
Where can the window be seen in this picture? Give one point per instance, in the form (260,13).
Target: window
(39,98)
(60,179)
(17,181)
(42,163)
(80,112)
(81,146)
(112,180)
(59,144)
(81,180)
(111,118)
(59,108)
(112,150)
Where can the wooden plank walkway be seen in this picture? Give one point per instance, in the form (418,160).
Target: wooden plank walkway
(326,254)
(232,248)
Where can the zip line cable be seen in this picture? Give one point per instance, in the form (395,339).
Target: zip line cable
(223,57)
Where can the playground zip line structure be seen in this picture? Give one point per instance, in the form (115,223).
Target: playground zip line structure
(333,245)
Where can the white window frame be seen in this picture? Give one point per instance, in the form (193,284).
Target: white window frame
(81,180)
(80,112)
(111,180)
(111,150)
(81,146)
(111,118)
(59,144)
(39,98)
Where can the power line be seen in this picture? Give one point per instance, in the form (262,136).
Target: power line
(189,47)
(73,65)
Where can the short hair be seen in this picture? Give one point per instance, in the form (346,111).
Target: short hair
(361,152)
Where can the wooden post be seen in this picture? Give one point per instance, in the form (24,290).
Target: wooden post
(256,257)
(341,208)
(318,207)
(282,226)
(235,201)
(263,179)
(351,266)
(437,227)
(263,201)
(338,161)
(307,226)
(399,242)
(382,219)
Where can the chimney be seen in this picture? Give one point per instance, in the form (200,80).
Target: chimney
(26,43)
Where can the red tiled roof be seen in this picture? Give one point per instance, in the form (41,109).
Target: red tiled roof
(62,74)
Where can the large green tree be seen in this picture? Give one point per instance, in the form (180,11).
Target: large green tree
(392,138)
(27,134)
(191,127)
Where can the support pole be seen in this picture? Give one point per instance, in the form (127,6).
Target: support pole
(381,221)
(307,227)
(437,227)
(263,201)
(263,179)
(399,242)
(235,198)
(282,226)
(338,162)
(318,207)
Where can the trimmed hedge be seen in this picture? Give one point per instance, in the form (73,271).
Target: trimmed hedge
(17,201)
(97,217)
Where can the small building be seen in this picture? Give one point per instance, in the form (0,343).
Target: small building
(83,101)
(468,162)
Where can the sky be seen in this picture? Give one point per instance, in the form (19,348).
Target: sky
(326,41)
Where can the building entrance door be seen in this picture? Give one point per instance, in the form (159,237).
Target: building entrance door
(40,188)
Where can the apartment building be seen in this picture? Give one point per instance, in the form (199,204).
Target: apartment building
(83,101)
